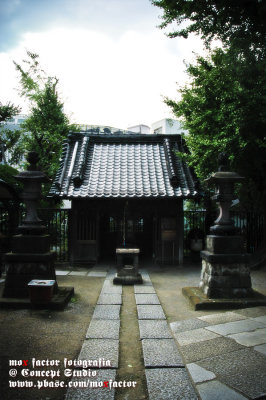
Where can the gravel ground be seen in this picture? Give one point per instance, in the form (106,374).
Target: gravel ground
(55,335)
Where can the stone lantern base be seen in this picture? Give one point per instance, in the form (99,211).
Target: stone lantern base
(127,274)
(22,268)
(225,277)
(225,272)
(31,259)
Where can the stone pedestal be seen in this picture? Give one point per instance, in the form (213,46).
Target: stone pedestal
(127,274)
(30,257)
(225,277)
(225,272)
(24,267)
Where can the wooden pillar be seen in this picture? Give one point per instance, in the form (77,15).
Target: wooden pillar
(154,239)
(72,229)
(98,235)
(180,233)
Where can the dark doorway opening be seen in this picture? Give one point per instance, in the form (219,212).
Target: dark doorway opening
(129,232)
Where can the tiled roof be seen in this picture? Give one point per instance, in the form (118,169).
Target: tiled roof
(123,165)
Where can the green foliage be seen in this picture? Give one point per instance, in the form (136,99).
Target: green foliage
(237,22)
(7,174)
(223,109)
(7,111)
(7,138)
(47,125)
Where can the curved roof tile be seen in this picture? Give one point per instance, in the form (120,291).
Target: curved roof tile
(123,165)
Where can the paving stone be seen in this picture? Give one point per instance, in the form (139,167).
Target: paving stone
(194,336)
(143,289)
(222,318)
(243,370)
(110,299)
(209,348)
(150,312)
(215,390)
(106,312)
(109,287)
(111,274)
(161,353)
(78,273)
(97,274)
(62,273)
(235,327)
(101,267)
(103,329)
(261,348)
(187,325)
(146,279)
(199,374)
(147,299)
(145,275)
(154,329)
(93,393)
(252,312)
(169,383)
(146,282)
(240,361)
(250,338)
(252,385)
(94,349)
(261,319)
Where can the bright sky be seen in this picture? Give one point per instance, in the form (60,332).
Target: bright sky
(113,62)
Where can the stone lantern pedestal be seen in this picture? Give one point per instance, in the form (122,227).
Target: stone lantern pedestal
(225,276)
(30,258)
(127,274)
(225,271)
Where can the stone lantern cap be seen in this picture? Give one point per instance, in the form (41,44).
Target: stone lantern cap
(224,181)
(224,174)
(32,172)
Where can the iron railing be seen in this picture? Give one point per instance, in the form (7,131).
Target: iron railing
(57,223)
(251,225)
(4,221)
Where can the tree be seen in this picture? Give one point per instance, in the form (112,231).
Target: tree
(47,125)
(7,111)
(224,109)
(238,22)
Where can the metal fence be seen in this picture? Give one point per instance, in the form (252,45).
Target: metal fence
(194,224)
(251,226)
(57,223)
(4,221)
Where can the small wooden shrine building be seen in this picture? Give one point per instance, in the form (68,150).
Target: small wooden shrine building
(127,189)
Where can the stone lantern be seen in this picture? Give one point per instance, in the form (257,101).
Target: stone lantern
(225,276)
(30,257)
(225,272)
(32,180)
(224,181)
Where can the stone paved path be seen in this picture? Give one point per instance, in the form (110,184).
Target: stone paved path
(165,373)
(212,357)
(225,353)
